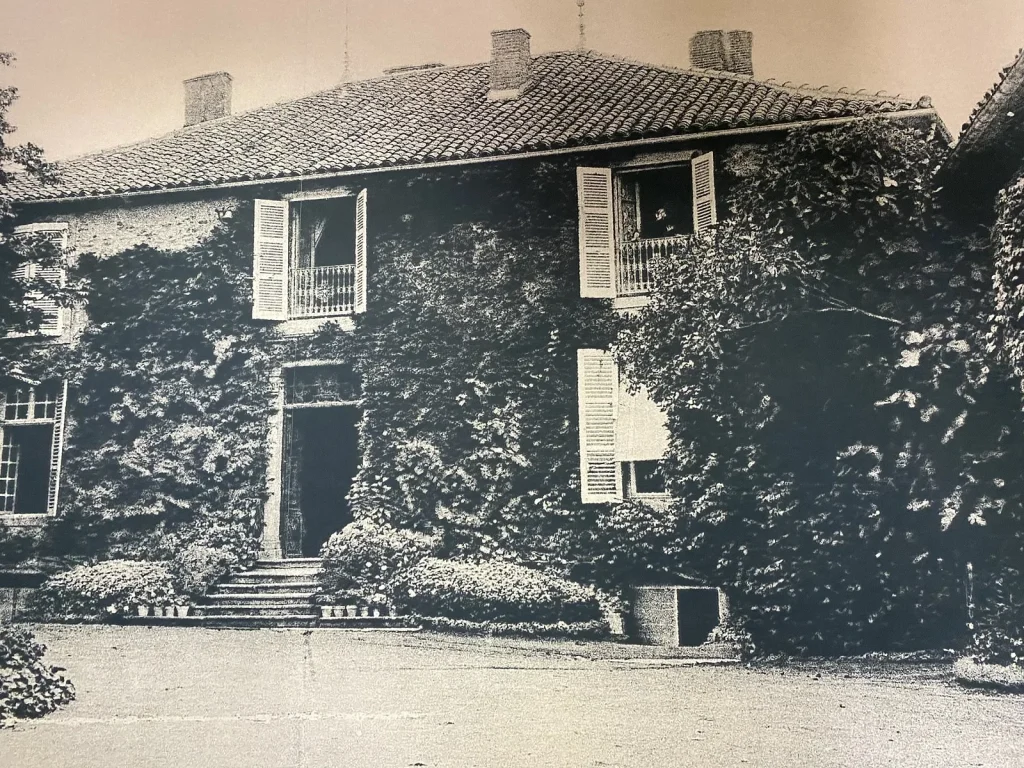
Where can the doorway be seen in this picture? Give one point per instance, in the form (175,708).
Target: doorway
(321,456)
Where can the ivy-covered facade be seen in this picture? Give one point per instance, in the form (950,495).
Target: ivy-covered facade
(262,359)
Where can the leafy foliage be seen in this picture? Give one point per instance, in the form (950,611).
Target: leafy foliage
(468,363)
(491,591)
(167,440)
(839,437)
(98,592)
(362,558)
(28,686)
(196,567)
(15,313)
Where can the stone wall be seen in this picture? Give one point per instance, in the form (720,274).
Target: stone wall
(112,226)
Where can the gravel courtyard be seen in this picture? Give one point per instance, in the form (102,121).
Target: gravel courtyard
(184,697)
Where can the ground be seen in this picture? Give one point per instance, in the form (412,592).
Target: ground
(283,698)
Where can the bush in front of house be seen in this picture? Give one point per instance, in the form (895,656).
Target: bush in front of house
(28,686)
(364,556)
(195,568)
(106,589)
(974,674)
(494,593)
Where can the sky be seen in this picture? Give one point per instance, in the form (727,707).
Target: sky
(100,73)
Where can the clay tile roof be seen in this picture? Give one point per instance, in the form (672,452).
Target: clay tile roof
(418,116)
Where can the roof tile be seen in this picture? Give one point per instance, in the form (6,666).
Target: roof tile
(574,98)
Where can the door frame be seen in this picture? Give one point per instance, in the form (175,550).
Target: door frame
(273,512)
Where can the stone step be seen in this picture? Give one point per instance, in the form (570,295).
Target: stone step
(257,611)
(290,562)
(258,598)
(307,587)
(271,576)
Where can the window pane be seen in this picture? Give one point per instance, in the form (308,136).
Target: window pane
(326,232)
(665,202)
(25,475)
(320,384)
(648,477)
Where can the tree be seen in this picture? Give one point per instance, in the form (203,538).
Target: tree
(15,313)
(840,437)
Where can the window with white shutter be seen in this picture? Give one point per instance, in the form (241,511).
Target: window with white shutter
(598,393)
(270,261)
(32,419)
(705,212)
(54,316)
(597,232)
(310,257)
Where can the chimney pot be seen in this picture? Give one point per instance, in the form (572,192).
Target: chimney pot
(510,63)
(207,97)
(723,51)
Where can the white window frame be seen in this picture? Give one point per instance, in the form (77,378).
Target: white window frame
(58,422)
(62,312)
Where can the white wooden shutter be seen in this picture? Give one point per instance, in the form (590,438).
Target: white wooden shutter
(597,232)
(598,387)
(57,450)
(270,261)
(360,278)
(705,212)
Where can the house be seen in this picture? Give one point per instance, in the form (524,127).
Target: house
(646,153)
(989,152)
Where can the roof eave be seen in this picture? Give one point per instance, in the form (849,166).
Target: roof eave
(928,112)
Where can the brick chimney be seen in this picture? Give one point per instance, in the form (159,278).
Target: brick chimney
(723,51)
(510,63)
(207,97)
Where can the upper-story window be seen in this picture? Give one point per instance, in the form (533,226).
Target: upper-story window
(632,215)
(309,257)
(53,317)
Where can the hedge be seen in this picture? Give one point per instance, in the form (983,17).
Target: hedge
(97,592)
(491,591)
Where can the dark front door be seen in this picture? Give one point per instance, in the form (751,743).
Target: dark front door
(321,458)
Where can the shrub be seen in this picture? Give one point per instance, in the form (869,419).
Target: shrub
(197,567)
(997,628)
(969,672)
(110,588)
(28,687)
(578,630)
(492,591)
(364,556)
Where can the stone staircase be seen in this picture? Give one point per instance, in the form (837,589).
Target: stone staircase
(274,593)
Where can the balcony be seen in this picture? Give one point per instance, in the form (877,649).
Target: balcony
(635,260)
(322,291)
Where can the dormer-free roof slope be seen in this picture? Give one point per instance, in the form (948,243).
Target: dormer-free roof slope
(572,99)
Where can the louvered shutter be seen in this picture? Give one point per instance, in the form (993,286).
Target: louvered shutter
(360,278)
(53,314)
(705,211)
(270,261)
(597,241)
(57,450)
(598,388)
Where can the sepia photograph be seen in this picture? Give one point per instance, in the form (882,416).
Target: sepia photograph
(569,383)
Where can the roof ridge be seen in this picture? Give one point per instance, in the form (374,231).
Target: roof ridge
(824,90)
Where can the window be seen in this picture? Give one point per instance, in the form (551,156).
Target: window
(309,257)
(31,444)
(631,217)
(317,385)
(53,316)
(642,478)
(623,433)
